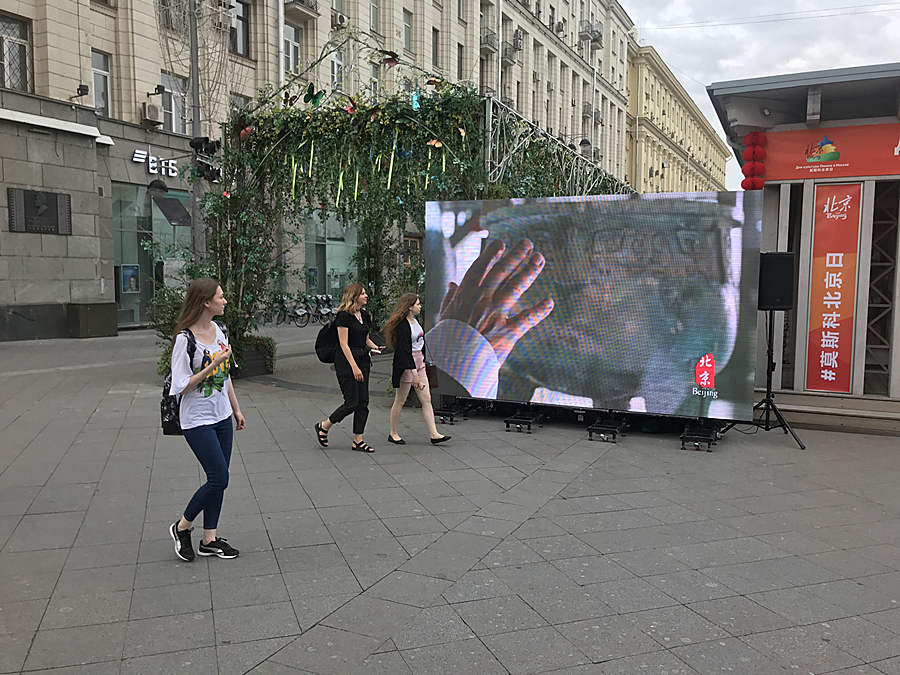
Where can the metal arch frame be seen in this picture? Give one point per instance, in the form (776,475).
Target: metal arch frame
(509,134)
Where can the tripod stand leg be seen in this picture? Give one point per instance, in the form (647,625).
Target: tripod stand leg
(787,427)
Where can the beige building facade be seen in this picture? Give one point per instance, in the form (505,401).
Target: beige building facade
(671,146)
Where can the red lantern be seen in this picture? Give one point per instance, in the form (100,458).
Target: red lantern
(753,169)
(754,153)
(757,138)
(752,183)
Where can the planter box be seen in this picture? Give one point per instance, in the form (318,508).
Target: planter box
(254,363)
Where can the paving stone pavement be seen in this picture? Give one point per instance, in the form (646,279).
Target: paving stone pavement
(497,553)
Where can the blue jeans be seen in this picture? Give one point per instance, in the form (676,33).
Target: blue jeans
(211,444)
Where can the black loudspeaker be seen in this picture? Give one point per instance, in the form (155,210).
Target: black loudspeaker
(776,281)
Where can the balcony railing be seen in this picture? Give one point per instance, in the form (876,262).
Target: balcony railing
(302,8)
(597,34)
(587,110)
(509,54)
(585,30)
(489,42)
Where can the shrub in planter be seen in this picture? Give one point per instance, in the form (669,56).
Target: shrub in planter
(254,355)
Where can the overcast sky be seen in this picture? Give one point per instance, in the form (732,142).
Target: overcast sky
(861,35)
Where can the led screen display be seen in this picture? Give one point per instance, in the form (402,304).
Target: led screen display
(642,303)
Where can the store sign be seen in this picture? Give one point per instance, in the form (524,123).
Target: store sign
(156,165)
(834,152)
(832,296)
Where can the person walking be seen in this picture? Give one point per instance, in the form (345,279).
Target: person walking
(407,338)
(201,374)
(352,365)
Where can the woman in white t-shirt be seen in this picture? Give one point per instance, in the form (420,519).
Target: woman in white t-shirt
(207,405)
(406,337)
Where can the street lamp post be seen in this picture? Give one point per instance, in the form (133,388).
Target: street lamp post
(198,236)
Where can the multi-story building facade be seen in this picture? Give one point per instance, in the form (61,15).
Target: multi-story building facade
(95,105)
(671,147)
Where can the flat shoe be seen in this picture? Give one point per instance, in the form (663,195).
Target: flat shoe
(442,439)
(399,441)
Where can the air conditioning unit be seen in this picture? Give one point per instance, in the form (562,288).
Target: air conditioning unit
(535,76)
(549,86)
(222,23)
(152,114)
(339,20)
(560,27)
(518,44)
(518,34)
(225,4)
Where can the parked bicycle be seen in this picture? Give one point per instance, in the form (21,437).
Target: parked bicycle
(324,310)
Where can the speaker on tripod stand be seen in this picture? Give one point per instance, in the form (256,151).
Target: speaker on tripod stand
(776,294)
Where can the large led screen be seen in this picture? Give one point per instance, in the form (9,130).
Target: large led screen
(630,303)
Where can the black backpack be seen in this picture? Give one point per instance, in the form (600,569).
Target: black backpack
(327,342)
(170,405)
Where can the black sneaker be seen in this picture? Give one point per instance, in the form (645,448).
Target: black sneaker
(184,549)
(220,547)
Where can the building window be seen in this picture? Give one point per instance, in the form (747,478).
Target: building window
(374,15)
(240,28)
(100,65)
(173,15)
(461,9)
(435,49)
(338,6)
(173,103)
(337,70)
(239,102)
(374,78)
(291,49)
(460,61)
(407,30)
(15,54)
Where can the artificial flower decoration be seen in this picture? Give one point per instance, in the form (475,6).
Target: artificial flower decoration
(375,111)
(434,81)
(436,143)
(352,107)
(246,133)
(462,132)
(312,96)
(390,59)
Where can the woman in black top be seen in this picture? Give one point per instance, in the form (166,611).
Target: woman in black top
(405,335)
(352,364)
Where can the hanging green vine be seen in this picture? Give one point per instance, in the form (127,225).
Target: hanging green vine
(371,164)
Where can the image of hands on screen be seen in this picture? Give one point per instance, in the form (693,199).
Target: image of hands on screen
(645,304)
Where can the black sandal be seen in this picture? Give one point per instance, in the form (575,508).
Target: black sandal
(362,446)
(322,435)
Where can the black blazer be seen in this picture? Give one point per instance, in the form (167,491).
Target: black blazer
(403,354)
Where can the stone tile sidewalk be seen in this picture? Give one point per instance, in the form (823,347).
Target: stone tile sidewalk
(497,553)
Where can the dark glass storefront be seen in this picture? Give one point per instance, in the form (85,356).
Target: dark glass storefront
(138,221)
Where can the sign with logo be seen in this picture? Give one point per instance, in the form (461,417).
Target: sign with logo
(832,295)
(156,165)
(705,377)
(835,152)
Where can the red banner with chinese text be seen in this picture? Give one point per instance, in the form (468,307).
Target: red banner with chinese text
(832,287)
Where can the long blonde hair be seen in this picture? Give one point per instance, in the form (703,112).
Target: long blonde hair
(198,293)
(401,311)
(348,302)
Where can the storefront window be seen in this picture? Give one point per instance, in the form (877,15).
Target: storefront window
(329,253)
(137,221)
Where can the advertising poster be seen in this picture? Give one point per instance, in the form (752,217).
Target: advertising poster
(629,303)
(832,294)
(833,152)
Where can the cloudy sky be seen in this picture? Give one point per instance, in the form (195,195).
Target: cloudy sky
(838,34)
